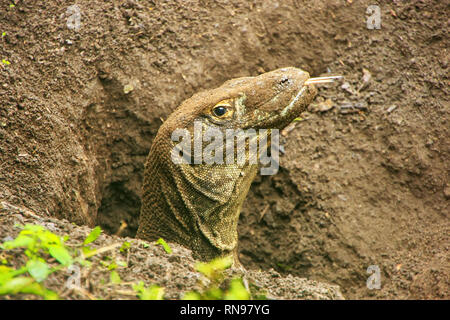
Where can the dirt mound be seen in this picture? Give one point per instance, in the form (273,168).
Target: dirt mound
(175,272)
(364,179)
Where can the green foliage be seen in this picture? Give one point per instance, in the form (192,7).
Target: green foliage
(114,277)
(44,252)
(93,235)
(113,264)
(5,62)
(213,270)
(153,292)
(39,245)
(125,246)
(211,289)
(237,291)
(166,247)
(145,244)
(38,270)
(36,240)
(12,283)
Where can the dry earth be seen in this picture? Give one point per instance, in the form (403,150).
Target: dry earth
(360,186)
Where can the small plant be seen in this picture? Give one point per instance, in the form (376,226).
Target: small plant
(11,282)
(125,246)
(39,244)
(46,252)
(93,235)
(153,292)
(213,272)
(165,245)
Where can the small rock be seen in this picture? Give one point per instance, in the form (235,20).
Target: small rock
(347,87)
(391,108)
(128,88)
(326,105)
(447,192)
(367,76)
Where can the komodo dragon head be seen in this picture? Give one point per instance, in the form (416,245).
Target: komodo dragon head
(197,203)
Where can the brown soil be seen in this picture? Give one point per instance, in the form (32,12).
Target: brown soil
(370,187)
(149,263)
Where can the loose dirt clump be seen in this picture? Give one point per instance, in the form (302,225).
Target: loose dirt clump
(364,178)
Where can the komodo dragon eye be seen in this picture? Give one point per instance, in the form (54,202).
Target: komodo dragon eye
(223,109)
(220,111)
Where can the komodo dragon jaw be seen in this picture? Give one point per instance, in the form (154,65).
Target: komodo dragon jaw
(198,205)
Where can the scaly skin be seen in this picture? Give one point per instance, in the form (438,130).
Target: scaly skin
(198,205)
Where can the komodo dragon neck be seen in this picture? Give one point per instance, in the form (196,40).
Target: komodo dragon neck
(198,205)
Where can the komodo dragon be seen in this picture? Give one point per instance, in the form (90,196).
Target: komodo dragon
(198,205)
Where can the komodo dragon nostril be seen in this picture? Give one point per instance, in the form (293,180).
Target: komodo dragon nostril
(284,80)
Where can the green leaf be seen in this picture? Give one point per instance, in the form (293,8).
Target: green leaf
(191,295)
(15,285)
(21,241)
(32,229)
(153,293)
(26,285)
(38,270)
(214,293)
(88,251)
(209,269)
(93,235)
(165,245)
(237,291)
(6,273)
(114,277)
(138,287)
(125,246)
(50,295)
(112,266)
(85,263)
(121,263)
(61,254)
